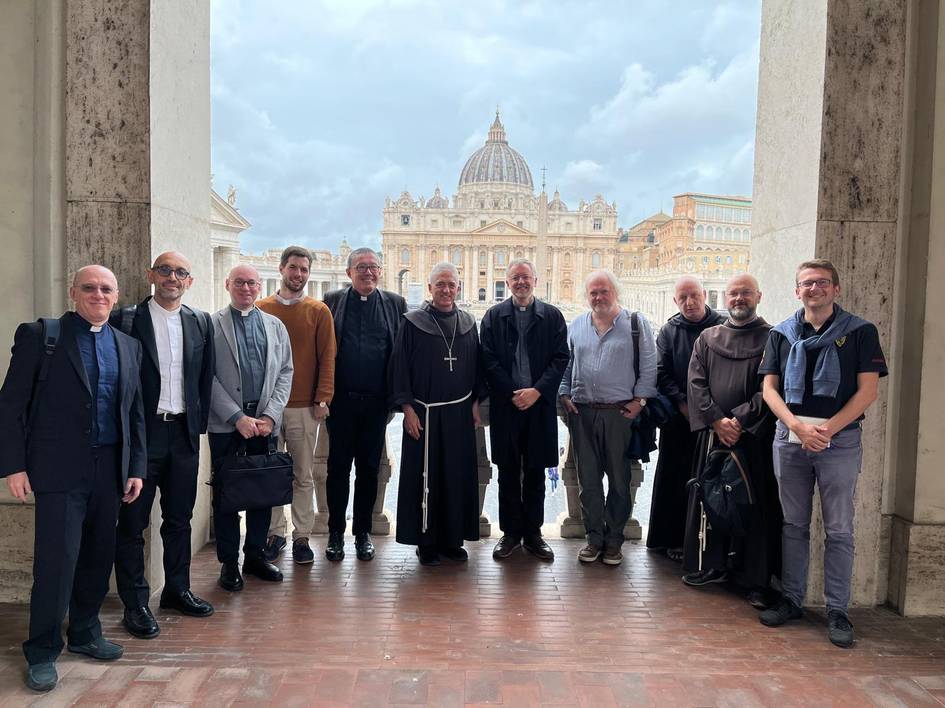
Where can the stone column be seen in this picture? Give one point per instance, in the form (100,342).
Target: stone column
(490,266)
(485,469)
(381,518)
(320,476)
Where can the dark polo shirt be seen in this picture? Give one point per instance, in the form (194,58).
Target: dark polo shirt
(859,352)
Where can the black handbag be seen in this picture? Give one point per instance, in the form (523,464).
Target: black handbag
(725,490)
(243,482)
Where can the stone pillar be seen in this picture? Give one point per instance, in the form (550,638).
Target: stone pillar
(320,476)
(490,267)
(485,469)
(381,518)
(225,258)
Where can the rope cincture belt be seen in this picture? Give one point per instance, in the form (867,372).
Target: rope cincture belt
(426,450)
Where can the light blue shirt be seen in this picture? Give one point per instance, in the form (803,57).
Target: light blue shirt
(600,369)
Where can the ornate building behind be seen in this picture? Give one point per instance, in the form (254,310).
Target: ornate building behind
(494,217)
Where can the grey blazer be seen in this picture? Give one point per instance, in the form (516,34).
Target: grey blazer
(226,399)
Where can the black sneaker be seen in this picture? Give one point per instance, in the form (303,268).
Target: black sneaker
(301,553)
(839,629)
(505,547)
(705,577)
(274,546)
(783,611)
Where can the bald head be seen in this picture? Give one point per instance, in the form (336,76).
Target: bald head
(94,291)
(742,295)
(169,257)
(689,296)
(170,277)
(243,285)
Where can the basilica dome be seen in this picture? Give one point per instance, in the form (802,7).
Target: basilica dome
(496,162)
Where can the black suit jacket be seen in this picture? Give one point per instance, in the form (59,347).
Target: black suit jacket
(53,446)
(198,366)
(547,360)
(392,305)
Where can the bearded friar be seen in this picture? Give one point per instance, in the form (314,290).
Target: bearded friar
(726,408)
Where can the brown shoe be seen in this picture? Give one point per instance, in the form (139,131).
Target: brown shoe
(589,553)
(612,556)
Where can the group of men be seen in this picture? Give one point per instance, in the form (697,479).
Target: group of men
(107,406)
(790,400)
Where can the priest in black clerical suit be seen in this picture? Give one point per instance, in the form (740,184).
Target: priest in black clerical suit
(436,382)
(725,401)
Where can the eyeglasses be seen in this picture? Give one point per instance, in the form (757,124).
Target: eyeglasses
(740,293)
(365,268)
(89,289)
(820,283)
(166,270)
(520,278)
(239,283)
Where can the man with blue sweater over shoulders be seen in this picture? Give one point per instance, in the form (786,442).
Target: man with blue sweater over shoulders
(821,371)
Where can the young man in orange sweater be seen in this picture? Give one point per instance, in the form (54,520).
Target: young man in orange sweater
(312,335)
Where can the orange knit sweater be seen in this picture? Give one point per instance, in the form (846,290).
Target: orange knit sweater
(312,334)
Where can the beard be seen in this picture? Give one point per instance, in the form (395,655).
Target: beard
(742,314)
(291,288)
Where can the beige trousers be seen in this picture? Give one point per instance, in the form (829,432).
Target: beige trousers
(298,435)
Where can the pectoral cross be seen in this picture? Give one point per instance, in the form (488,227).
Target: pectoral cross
(450,358)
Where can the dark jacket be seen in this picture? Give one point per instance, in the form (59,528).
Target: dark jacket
(392,305)
(198,365)
(547,359)
(674,350)
(53,446)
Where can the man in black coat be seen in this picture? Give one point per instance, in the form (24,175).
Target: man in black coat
(176,379)
(366,323)
(75,437)
(677,442)
(524,352)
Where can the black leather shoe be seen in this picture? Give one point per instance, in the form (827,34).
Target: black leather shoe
(537,547)
(457,553)
(335,550)
(42,677)
(140,622)
(100,649)
(186,603)
(230,578)
(428,555)
(364,546)
(262,569)
(505,547)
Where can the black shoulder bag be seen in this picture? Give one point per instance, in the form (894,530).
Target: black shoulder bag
(242,482)
(724,489)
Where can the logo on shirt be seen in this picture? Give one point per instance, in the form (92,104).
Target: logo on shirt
(840,342)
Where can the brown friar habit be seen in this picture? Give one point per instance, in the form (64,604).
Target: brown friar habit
(420,373)
(724,382)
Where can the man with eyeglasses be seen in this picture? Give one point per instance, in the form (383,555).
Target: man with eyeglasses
(176,380)
(524,352)
(312,334)
(71,410)
(822,367)
(250,390)
(366,323)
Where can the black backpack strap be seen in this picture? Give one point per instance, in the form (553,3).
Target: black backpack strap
(127,320)
(50,331)
(635,334)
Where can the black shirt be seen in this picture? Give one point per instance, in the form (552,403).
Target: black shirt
(859,352)
(361,363)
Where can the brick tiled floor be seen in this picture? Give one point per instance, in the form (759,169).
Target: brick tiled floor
(517,633)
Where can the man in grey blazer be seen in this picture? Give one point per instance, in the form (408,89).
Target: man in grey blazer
(250,390)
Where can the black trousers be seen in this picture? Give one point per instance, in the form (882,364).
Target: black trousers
(72,559)
(521,490)
(356,430)
(227,525)
(172,467)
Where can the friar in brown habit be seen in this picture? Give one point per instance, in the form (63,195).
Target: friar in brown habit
(727,409)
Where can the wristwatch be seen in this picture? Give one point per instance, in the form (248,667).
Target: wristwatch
(322,404)
(642,402)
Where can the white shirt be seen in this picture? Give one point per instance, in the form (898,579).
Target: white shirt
(169,341)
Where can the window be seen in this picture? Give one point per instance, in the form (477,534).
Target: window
(598,224)
(713,299)
(434,223)
(405,219)
(728,233)
(748,234)
(405,255)
(457,223)
(457,256)
(433,256)
(482,222)
(595,260)
(500,256)
(568,226)
(700,232)
(520,224)
(495,203)
(482,294)
(567,259)
(482,258)
(718,259)
(500,290)
(728,260)
(709,233)
(482,204)
(705,260)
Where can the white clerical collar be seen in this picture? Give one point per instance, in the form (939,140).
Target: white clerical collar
(289,301)
(244,313)
(95,328)
(155,307)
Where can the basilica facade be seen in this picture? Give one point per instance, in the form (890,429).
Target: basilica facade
(495,216)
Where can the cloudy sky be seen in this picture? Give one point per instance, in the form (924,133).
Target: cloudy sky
(321,109)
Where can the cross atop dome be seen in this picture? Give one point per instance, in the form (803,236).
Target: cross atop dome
(497,131)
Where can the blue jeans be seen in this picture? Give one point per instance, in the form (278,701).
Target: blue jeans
(835,470)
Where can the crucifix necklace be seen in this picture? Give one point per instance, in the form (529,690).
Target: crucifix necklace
(449,345)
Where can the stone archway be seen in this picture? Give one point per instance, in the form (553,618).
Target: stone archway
(402,282)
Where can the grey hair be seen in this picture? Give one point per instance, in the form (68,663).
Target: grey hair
(518,262)
(358,252)
(440,267)
(603,272)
